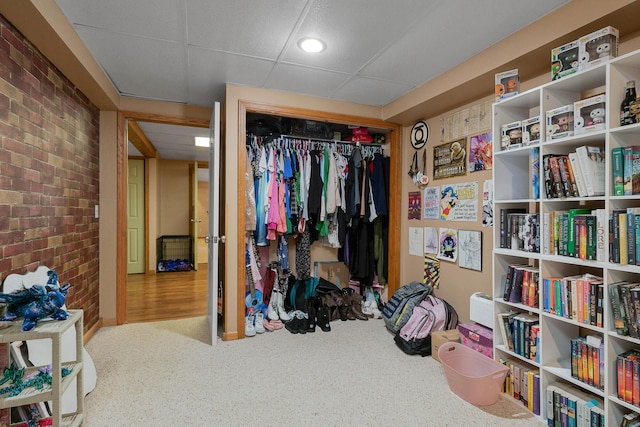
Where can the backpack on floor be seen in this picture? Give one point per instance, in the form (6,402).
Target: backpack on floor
(432,314)
(398,309)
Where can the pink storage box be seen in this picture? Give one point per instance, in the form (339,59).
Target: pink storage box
(477,337)
(470,375)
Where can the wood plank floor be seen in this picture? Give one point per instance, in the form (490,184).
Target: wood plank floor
(163,296)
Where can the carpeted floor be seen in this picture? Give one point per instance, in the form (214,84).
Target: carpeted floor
(167,374)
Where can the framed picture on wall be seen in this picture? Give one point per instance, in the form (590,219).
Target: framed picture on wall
(448,244)
(470,249)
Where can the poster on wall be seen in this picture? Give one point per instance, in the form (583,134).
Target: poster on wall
(480,152)
(487,203)
(414,205)
(459,202)
(416,243)
(450,159)
(431,202)
(470,253)
(430,240)
(448,244)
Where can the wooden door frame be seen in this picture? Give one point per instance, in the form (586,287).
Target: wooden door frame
(121,197)
(395,199)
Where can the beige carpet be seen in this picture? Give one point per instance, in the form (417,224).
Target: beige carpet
(168,374)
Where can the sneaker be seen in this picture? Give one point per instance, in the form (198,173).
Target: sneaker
(259,323)
(366,308)
(249,328)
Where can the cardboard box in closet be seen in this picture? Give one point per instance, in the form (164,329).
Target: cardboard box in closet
(335,272)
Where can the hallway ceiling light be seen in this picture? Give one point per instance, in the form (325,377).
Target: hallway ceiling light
(202,141)
(312,45)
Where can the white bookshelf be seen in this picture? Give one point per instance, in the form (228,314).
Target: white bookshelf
(512,189)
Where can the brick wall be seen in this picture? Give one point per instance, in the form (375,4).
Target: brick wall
(48,172)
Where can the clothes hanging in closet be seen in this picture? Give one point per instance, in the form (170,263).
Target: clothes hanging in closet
(327,192)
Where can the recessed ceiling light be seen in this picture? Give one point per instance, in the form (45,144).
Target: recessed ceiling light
(202,141)
(312,45)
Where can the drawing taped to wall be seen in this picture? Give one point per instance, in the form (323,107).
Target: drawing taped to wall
(470,244)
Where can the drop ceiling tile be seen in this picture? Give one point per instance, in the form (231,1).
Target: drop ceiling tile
(140,66)
(176,142)
(371,92)
(308,81)
(411,59)
(355,31)
(129,17)
(209,71)
(248,27)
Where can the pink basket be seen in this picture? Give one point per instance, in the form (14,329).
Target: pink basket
(472,376)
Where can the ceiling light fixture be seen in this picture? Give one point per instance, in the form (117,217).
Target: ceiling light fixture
(202,141)
(312,45)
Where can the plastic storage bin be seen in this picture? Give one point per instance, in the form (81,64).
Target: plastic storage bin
(472,376)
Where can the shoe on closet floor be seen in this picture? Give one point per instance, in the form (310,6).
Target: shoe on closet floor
(249,328)
(258,323)
(272,309)
(273,325)
(282,313)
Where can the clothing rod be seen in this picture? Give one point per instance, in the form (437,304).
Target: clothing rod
(333,140)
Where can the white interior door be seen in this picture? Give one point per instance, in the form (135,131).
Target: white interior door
(213,239)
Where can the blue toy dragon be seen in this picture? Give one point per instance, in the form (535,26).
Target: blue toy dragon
(37,302)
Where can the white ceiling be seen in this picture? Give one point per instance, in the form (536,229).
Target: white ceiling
(377,50)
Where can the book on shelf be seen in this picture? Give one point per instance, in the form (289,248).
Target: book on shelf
(522,382)
(629,309)
(591,159)
(556,178)
(631,170)
(565,401)
(587,357)
(618,311)
(628,376)
(577,173)
(505,226)
(535,172)
(505,322)
(617,170)
(525,231)
(549,186)
(571,241)
(579,297)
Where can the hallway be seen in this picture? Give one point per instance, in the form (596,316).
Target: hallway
(163,296)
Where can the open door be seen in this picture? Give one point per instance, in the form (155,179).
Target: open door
(193,212)
(213,239)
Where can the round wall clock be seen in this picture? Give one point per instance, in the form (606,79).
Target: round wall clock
(419,134)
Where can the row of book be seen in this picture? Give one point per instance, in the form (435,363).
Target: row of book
(520,334)
(577,174)
(579,298)
(523,384)
(578,233)
(625,170)
(571,406)
(519,230)
(521,285)
(631,419)
(587,360)
(624,298)
(628,376)
(624,236)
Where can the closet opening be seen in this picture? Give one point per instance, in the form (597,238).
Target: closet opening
(279,142)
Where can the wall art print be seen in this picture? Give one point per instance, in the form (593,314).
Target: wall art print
(459,202)
(450,159)
(480,152)
(414,204)
(448,244)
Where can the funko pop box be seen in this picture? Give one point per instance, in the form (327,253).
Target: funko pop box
(531,130)
(511,135)
(564,60)
(589,115)
(598,47)
(507,84)
(560,122)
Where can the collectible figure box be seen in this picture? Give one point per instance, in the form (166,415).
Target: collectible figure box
(564,60)
(477,337)
(598,47)
(531,131)
(511,135)
(560,122)
(507,84)
(589,115)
